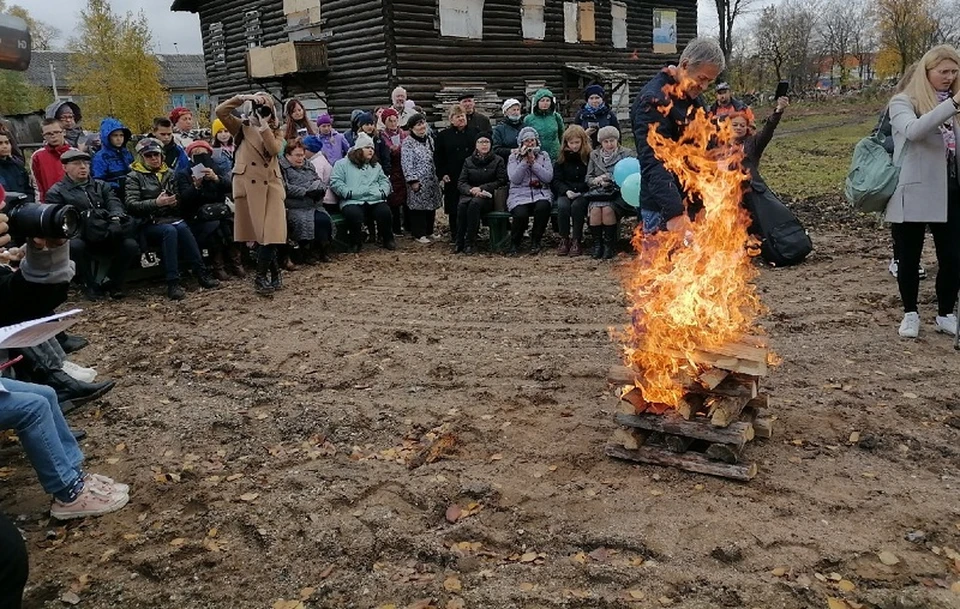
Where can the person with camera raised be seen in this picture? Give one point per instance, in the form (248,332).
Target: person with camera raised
(258,192)
(152,199)
(530,172)
(105,227)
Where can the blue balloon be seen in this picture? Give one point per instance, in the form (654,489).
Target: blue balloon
(630,189)
(624,169)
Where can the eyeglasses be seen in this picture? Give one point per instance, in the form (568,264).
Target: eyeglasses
(147,155)
(52,133)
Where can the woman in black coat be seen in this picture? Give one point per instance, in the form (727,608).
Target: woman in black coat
(482,174)
(454,145)
(595,114)
(569,185)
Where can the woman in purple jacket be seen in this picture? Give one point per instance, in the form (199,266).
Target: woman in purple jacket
(530,172)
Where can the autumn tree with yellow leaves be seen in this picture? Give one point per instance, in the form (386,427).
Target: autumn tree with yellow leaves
(115,72)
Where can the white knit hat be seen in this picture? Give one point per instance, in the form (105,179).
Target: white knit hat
(509,104)
(363,141)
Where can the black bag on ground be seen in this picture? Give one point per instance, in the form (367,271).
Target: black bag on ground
(784,240)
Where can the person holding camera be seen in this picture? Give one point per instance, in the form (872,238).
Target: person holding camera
(258,193)
(530,172)
(202,187)
(595,114)
(105,228)
(152,199)
(308,222)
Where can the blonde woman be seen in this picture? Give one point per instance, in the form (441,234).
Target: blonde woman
(924,120)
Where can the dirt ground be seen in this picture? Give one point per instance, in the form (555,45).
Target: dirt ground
(267,444)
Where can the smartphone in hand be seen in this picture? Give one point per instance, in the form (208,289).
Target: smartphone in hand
(782,89)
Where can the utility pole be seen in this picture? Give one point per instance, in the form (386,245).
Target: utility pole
(53,81)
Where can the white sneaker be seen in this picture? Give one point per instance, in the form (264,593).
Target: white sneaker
(910,326)
(947,325)
(424,240)
(79,372)
(92,501)
(107,484)
(893,267)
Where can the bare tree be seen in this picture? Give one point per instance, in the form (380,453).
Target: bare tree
(864,40)
(837,29)
(728,11)
(908,26)
(785,39)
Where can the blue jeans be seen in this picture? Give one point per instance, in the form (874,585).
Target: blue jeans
(34,412)
(651,221)
(174,239)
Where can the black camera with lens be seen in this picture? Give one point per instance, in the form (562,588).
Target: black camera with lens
(41,220)
(262,110)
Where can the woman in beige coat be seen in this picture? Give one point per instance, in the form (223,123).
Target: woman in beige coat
(925,134)
(258,190)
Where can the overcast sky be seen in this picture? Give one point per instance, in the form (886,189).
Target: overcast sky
(183,29)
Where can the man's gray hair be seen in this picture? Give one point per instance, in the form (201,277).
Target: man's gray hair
(704,51)
(393,94)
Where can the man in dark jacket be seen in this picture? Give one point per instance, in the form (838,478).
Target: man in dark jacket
(119,248)
(479,122)
(13,173)
(666,104)
(455,144)
(173,154)
(727,104)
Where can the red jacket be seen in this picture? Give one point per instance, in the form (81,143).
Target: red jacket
(47,168)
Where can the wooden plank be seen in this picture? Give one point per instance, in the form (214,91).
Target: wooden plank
(734,385)
(635,398)
(726,410)
(690,405)
(700,428)
(712,377)
(739,351)
(763,427)
(690,461)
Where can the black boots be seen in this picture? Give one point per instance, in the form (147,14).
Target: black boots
(71,344)
(175,291)
(76,392)
(609,241)
(275,281)
(597,233)
(206,280)
(261,283)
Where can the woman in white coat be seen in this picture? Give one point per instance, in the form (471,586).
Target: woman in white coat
(925,134)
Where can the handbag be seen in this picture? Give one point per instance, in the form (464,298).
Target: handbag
(98,224)
(608,192)
(209,212)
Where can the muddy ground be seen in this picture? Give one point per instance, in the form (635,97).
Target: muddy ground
(267,444)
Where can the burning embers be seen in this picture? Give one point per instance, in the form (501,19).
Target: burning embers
(693,305)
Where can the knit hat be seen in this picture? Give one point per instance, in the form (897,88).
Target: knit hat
(509,104)
(387,113)
(313,144)
(366,118)
(324,119)
(177,112)
(527,133)
(607,133)
(484,135)
(363,141)
(592,90)
(465,95)
(355,115)
(199,144)
(217,127)
(73,155)
(149,144)
(413,120)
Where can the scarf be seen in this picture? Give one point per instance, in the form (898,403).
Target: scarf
(949,136)
(422,140)
(590,112)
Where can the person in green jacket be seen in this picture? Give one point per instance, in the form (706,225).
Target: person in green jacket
(363,189)
(547,121)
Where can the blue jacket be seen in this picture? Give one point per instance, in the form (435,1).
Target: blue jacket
(603,116)
(14,178)
(112,164)
(660,188)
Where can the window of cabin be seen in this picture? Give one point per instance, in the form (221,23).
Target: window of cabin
(570,13)
(531,20)
(586,22)
(252,30)
(461,18)
(618,11)
(217,49)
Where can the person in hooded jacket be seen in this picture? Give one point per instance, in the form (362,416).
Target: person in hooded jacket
(112,163)
(596,114)
(455,144)
(308,222)
(530,172)
(68,113)
(202,198)
(506,132)
(569,186)
(13,172)
(547,121)
(151,198)
(482,174)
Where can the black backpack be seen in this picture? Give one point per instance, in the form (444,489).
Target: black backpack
(784,240)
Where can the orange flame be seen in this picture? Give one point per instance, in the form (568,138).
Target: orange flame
(691,291)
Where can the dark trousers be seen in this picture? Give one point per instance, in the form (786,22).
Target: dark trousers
(209,235)
(13,565)
(323,227)
(174,240)
(451,204)
(908,244)
(540,210)
(470,213)
(121,251)
(422,222)
(397,213)
(575,210)
(354,216)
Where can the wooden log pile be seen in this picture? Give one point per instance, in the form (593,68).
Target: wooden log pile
(722,410)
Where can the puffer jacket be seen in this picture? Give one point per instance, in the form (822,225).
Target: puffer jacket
(112,164)
(359,185)
(85,196)
(143,188)
(548,123)
(299,180)
(529,183)
(505,136)
(488,172)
